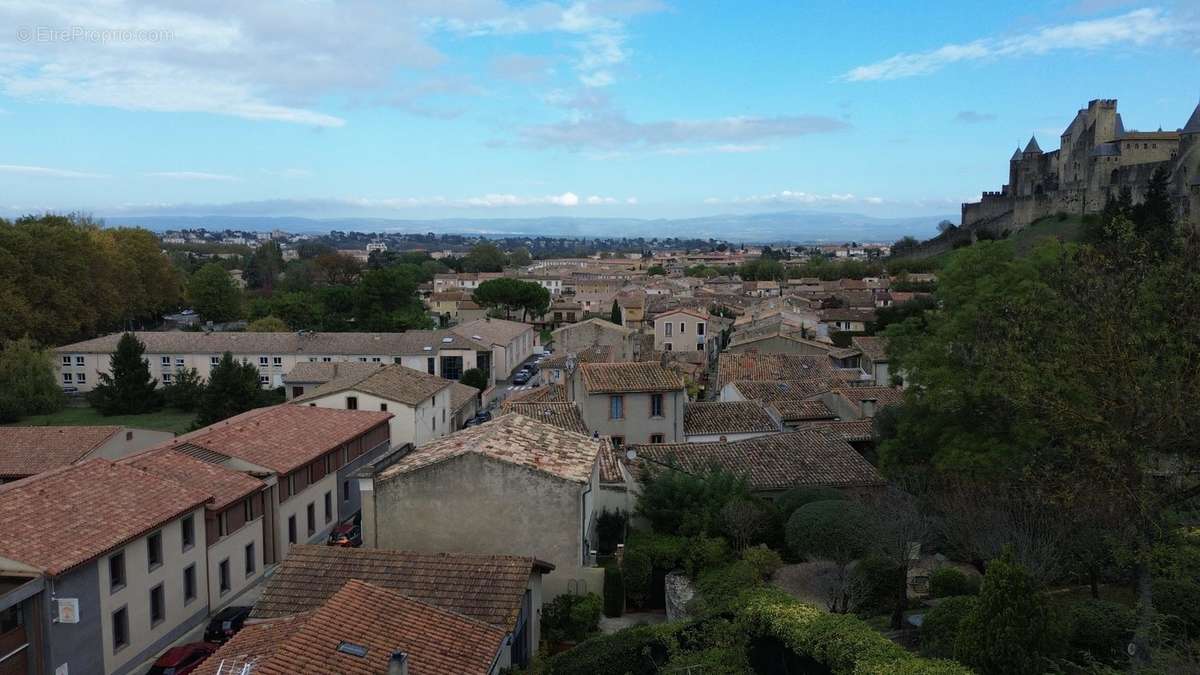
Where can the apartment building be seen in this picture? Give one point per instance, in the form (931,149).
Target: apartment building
(686,330)
(511,342)
(630,402)
(437,352)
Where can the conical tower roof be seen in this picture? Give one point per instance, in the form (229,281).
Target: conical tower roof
(1033,146)
(1016,155)
(1193,123)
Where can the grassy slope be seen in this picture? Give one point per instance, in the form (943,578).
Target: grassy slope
(167,419)
(1070,229)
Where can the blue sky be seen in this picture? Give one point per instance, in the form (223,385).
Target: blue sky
(488,108)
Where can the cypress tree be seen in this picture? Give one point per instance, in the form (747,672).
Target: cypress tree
(128,389)
(232,389)
(616,313)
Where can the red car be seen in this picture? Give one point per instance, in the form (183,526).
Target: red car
(183,659)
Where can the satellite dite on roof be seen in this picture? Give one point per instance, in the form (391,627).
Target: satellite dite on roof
(447,340)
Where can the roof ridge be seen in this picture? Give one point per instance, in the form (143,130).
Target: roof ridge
(427,605)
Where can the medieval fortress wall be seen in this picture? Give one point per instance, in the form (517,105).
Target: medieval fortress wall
(1097,157)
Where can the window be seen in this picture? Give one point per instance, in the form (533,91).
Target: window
(433,424)
(297,392)
(699,346)
(179,363)
(251,560)
(668,329)
(682,328)
(157,610)
(277,361)
(345,490)
(264,380)
(382,407)
(326,359)
(188,526)
(166,361)
(452,367)
(223,576)
(618,441)
(656,405)
(120,629)
(363,359)
(429,365)
(311,514)
(656,438)
(699,329)
(291,529)
(79,361)
(262,360)
(189,583)
(222,524)
(214,360)
(154,550)
(616,407)
(666,346)
(67,378)
(166,378)
(81,377)
(66,360)
(328,506)
(375,359)
(116,572)
(351,403)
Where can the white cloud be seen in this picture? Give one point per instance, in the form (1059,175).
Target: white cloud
(1137,28)
(792,197)
(46,172)
(274,60)
(191,175)
(344,205)
(520,67)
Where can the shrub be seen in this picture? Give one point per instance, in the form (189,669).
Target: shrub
(571,617)
(793,499)
(645,551)
(688,504)
(633,651)
(718,589)
(874,581)
(610,530)
(939,630)
(614,591)
(1011,630)
(474,377)
(702,553)
(1102,629)
(764,561)
(1180,600)
(836,530)
(946,582)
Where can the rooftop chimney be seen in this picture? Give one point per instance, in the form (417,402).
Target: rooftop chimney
(398,664)
(868,407)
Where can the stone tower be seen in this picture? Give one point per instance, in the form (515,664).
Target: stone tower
(1187,169)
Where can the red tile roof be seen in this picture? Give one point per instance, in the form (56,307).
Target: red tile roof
(733,366)
(253,643)
(544,394)
(224,485)
(726,417)
(769,391)
(802,411)
(617,378)
(562,415)
(285,437)
(63,518)
(511,438)
(808,457)
(25,451)
(437,642)
(489,588)
(851,431)
(883,396)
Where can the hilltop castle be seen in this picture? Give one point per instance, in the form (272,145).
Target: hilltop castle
(1097,157)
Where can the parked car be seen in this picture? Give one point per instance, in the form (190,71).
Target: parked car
(348,533)
(480,418)
(183,659)
(522,376)
(226,624)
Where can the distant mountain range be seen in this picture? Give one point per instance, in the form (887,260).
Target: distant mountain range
(783,226)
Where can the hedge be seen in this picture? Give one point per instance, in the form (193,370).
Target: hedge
(614,591)
(1101,629)
(840,642)
(939,630)
(947,582)
(633,651)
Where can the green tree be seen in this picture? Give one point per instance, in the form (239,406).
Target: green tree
(484,257)
(128,388)
(337,268)
(185,391)
(264,266)
(615,313)
(513,295)
(657,270)
(839,531)
(214,295)
(30,386)
(681,503)
(267,324)
(233,388)
(520,257)
(386,300)
(475,377)
(1011,629)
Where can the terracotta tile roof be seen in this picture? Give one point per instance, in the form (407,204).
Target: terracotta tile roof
(562,415)
(617,378)
(255,642)
(883,396)
(381,621)
(25,451)
(311,343)
(488,588)
(392,382)
(544,394)
(726,417)
(320,372)
(769,391)
(746,366)
(225,486)
(610,465)
(60,519)
(594,324)
(874,348)
(846,314)
(808,457)
(284,437)
(511,438)
(593,354)
(851,431)
(803,411)
(460,395)
(492,331)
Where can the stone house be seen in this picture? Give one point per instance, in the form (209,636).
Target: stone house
(630,402)
(576,338)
